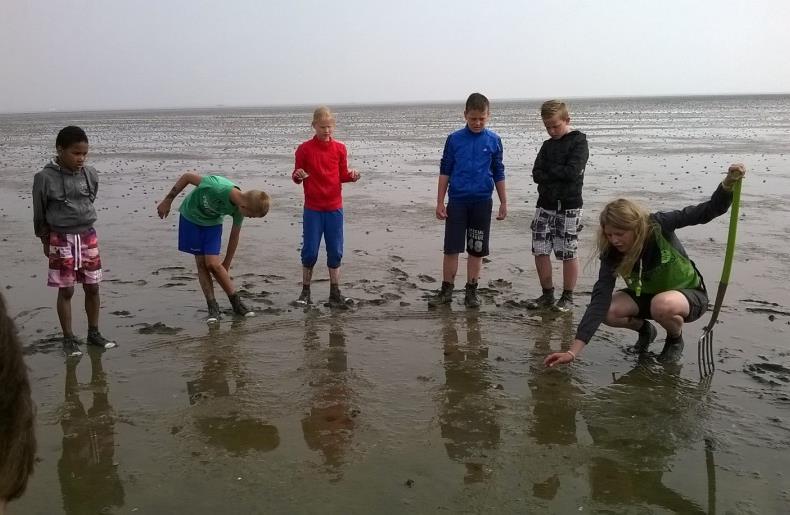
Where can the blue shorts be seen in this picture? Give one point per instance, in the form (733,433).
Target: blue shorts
(468,225)
(199,240)
(328,224)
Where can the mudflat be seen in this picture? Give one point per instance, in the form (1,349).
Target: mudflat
(389,407)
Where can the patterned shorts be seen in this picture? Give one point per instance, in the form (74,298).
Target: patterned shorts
(556,231)
(74,258)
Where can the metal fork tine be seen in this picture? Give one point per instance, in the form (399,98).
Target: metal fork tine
(705,353)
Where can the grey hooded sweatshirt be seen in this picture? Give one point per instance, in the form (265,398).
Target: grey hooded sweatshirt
(63,200)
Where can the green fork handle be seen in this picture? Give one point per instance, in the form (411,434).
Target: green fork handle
(725,273)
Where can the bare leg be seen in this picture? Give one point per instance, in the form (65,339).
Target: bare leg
(64,309)
(473,266)
(669,309)
(92,304)
(570,273)
(543,267)
(307,276)
(449,268)
(214,266)
(204,278)
(622,312)
(334,277)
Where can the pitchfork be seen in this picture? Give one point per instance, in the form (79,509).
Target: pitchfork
(705,342)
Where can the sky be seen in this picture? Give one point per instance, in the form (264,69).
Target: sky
(65,55)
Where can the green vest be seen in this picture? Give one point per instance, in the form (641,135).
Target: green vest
(674,272)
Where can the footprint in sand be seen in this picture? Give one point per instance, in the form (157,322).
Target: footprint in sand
(396,259)
(426,278)
(399,274)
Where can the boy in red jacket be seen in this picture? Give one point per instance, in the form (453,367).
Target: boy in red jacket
(321,167)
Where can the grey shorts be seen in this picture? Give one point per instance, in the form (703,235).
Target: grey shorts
(698,303)
(556,231)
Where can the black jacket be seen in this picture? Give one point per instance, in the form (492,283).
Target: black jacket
(559,171)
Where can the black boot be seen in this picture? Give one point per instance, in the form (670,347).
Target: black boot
(239,307)
(544,301)
(445,295)
(471,299)
(565,303)
(304,297)
(647,333)
(214,314)
(673,349)
(336,299)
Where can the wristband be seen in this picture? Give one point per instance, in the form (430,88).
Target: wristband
(572,354)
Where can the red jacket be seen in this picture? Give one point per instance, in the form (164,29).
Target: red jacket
(327,164)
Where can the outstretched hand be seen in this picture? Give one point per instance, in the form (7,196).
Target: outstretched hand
(735,173)
(558,358)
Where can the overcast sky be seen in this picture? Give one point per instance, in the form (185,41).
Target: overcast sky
(109,54)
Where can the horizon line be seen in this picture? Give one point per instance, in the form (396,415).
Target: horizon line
(382,103)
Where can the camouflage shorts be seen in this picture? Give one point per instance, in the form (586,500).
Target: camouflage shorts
(556,231)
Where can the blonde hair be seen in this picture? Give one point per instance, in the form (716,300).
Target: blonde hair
(625,215)
(257,202)
(322,113)
(552,108)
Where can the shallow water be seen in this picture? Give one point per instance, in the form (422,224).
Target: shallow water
(388,407)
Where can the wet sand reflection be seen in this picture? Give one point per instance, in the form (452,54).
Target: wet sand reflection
(217,396)
(643,437)
(554,395)
(467,413)
(88,474)
(329,426)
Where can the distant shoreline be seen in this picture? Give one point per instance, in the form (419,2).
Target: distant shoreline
(342,105)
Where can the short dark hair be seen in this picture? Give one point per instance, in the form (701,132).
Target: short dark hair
(70,135)
(477,102)
(17,436)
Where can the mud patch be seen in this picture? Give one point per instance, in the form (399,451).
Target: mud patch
(139,282)
(768,373)
(167,269)
(158,328)
(44,346)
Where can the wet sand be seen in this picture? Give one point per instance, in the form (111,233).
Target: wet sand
(388,407)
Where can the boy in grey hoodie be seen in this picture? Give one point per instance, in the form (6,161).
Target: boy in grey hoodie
(63,218)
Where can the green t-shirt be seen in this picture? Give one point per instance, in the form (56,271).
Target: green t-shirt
(207,204)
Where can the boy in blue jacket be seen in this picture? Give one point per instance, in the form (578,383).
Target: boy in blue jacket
(470,169)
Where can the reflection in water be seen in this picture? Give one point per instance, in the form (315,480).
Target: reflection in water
(329,426)
(644,416)
(89,481)
(468,415)
(554,396)
(218,407)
